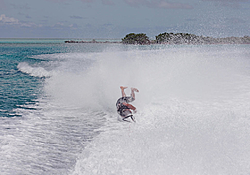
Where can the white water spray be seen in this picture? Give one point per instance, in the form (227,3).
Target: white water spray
(193,109)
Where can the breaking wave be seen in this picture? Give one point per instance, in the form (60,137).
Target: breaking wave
(33,71)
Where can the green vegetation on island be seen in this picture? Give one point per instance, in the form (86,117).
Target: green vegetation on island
(132,38)
(186,38)
(173,38)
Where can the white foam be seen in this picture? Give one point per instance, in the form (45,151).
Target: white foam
(193,116)
(33,71)
(94,79)
(172,138)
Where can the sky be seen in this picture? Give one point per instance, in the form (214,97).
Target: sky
(106,19)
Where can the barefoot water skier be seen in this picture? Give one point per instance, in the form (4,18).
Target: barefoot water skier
(123,106)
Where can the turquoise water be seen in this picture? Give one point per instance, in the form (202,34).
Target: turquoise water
(19,88)
(31,41)
(58,114)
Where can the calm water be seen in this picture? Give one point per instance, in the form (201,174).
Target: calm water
(57,113)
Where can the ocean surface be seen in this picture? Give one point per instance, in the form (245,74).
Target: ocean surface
(58,114)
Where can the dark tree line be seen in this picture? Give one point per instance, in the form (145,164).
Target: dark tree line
(182,38)
(133,38)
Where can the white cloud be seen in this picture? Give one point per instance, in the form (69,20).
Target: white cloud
(4,20)
(8,20)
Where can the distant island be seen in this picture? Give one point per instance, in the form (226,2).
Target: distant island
(92,41)
(173,38)
(185,38)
